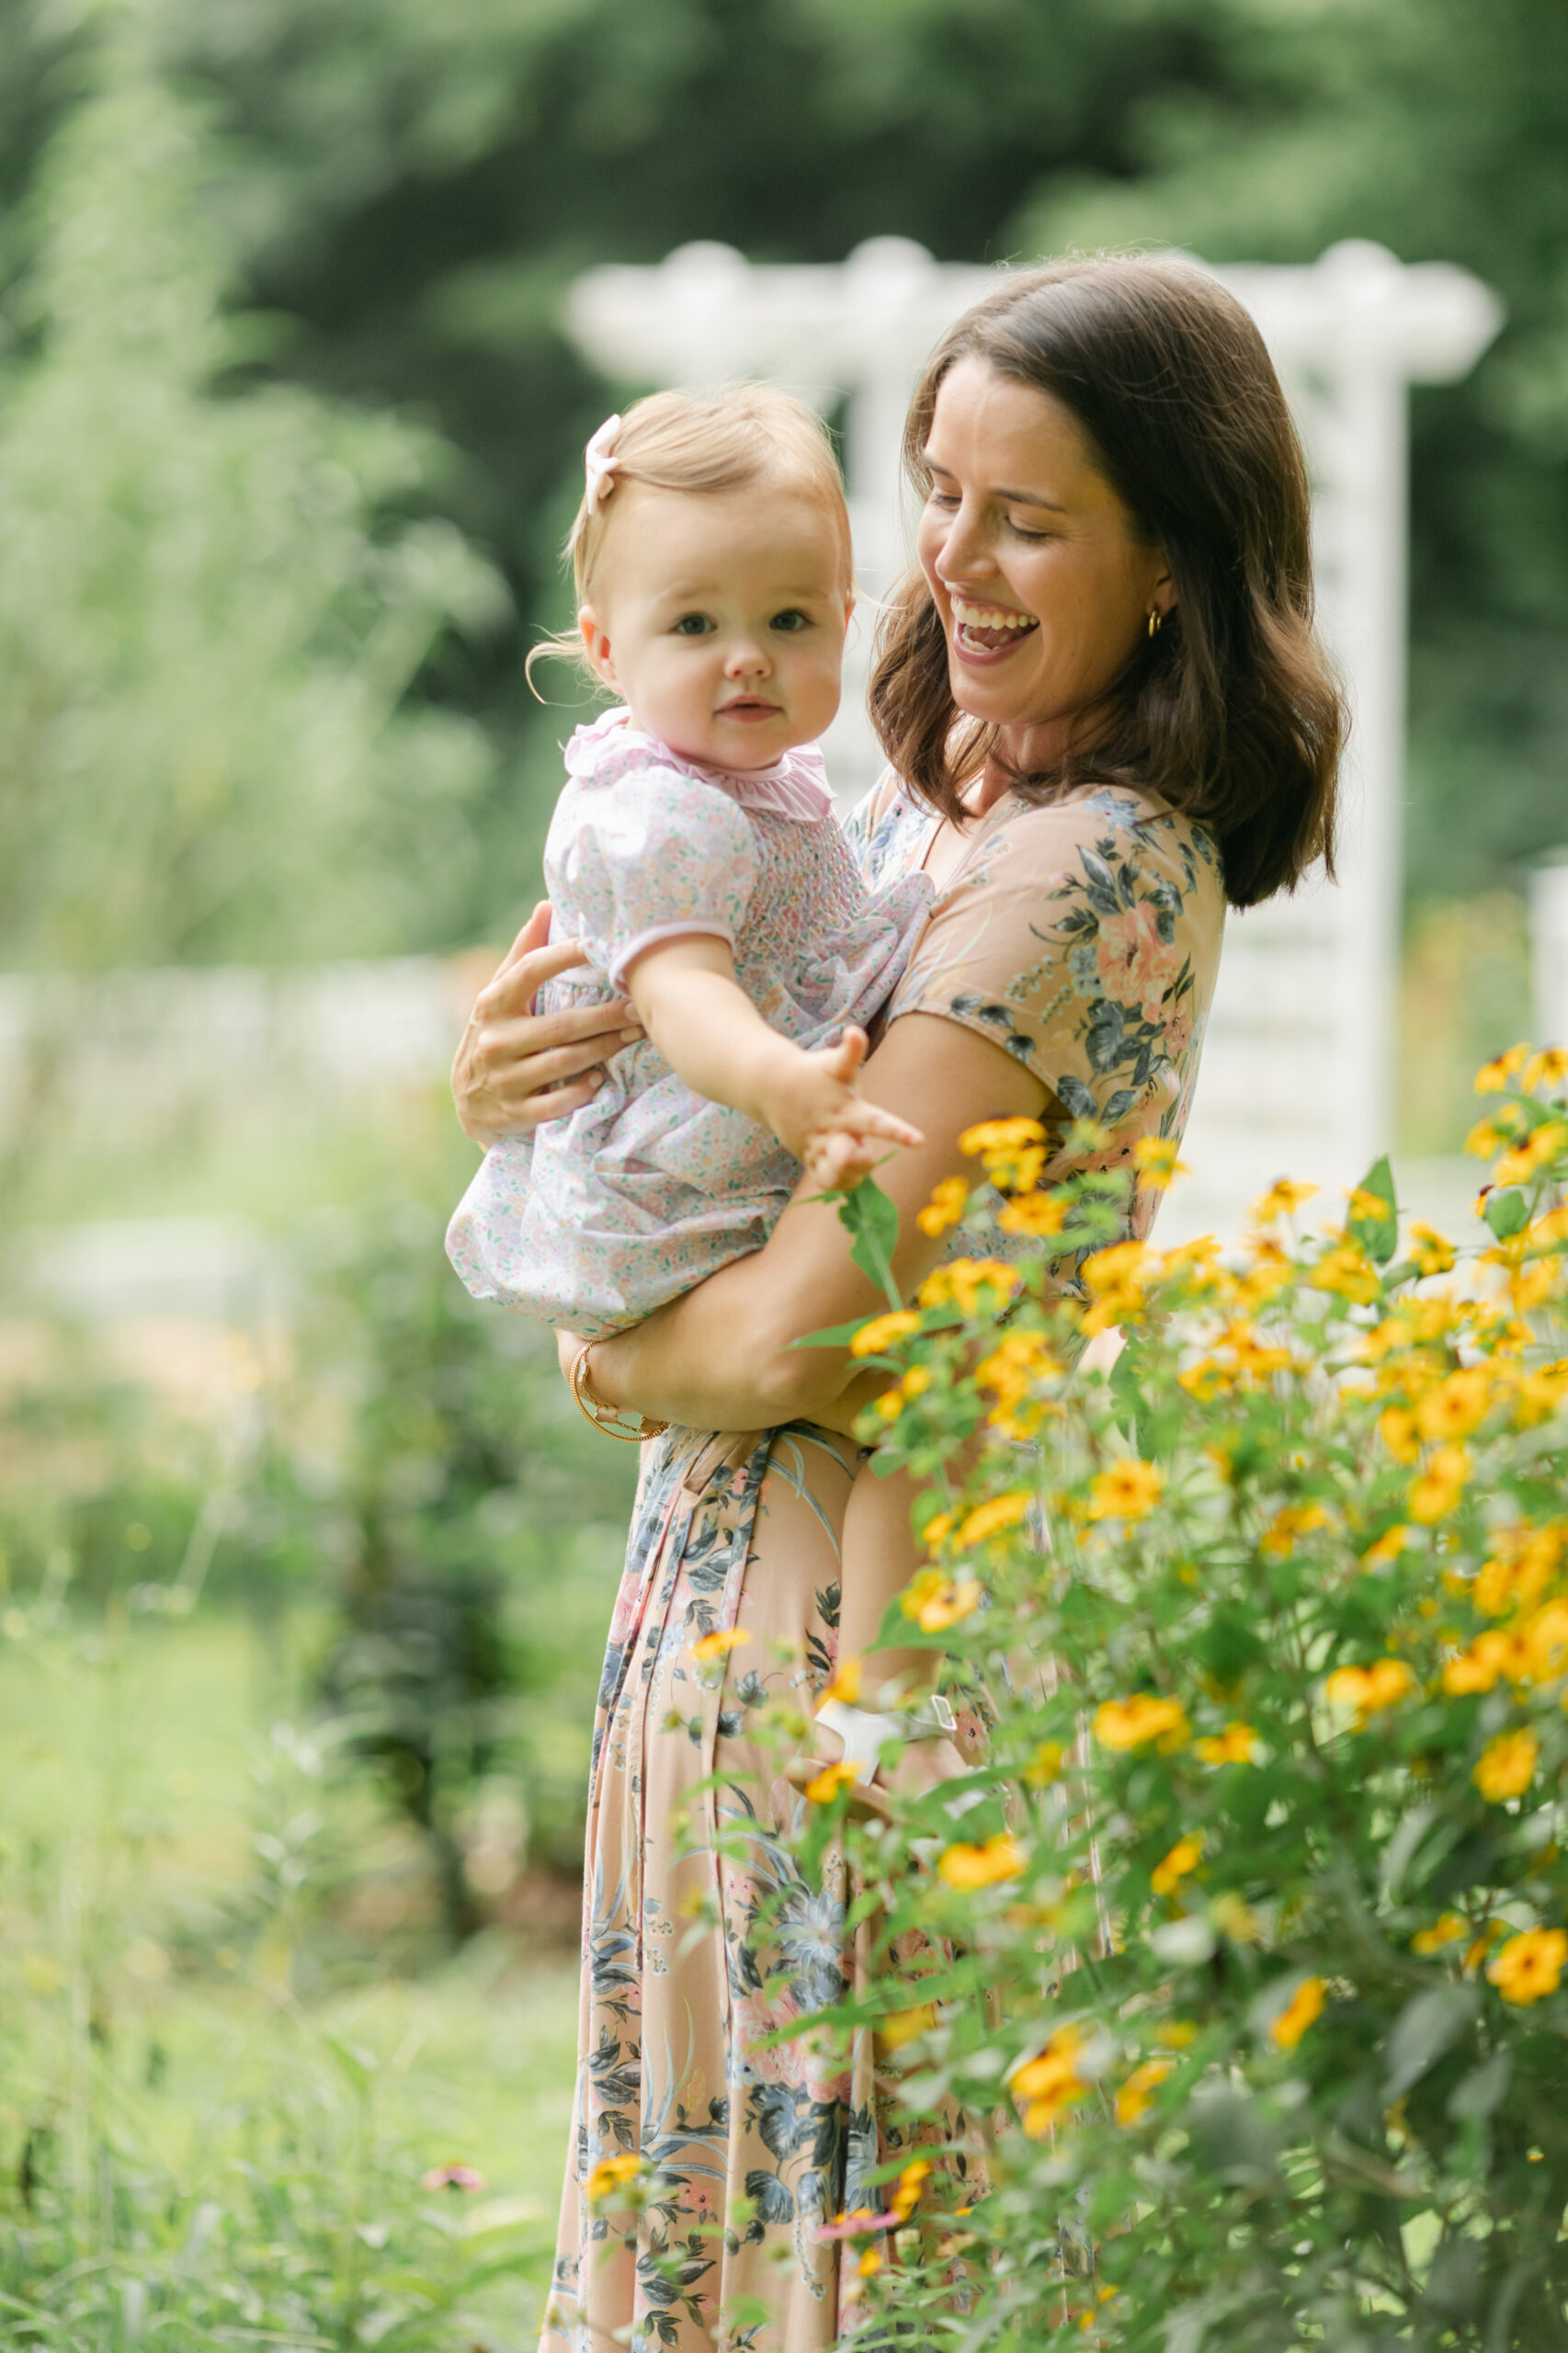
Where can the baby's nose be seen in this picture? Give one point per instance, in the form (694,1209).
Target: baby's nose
(746,659)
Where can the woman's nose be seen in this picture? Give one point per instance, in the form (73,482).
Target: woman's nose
(966,552)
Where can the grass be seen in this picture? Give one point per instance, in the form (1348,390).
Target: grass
(218,2100)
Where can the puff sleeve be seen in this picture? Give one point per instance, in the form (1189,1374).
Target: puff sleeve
(655,854)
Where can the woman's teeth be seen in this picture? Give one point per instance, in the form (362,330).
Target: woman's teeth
(989,626)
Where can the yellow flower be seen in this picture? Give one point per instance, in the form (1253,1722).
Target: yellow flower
(1045,1765)
(1389,1546)
(829,1781)
(1548,1068)
(1129,1490)
(946,1207)
(1540,1394)
(1184,1857)
(1547,1636)
(907,2188)
(903,2026)
(1131,1723)
(1237,1745)
(939,1527)
(1013,1152)
(1492,1077)
(1346,1270)
(1440,1486)
(1154,1157)
(846,1680)
(1506,1767)
(990,1519)
(1282,1199)
(1278,1539)
(611,2175)
(961,1282)
(936,1602)
(1433,1254)
(1304,2006)
(1049,2082)
(972,1867)
(1535,1152)
(1396,1427)
(1000,1135)
(1456,1405)
(1036,1213)
(882,1330)
(1369,1689)
(719,1644)
(1116,1279)
(1446,1930)
(1135,2095)
(1530,1966)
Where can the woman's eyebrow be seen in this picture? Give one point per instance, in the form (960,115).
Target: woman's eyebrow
(1017,497)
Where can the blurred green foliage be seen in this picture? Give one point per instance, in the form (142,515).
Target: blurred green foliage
(403,194)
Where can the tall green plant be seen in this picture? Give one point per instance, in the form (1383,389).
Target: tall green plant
(213,600)
(1257,1971)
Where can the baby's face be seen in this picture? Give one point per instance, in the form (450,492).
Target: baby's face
(721,618)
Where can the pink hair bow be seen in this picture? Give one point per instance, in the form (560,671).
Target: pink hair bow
(599,461)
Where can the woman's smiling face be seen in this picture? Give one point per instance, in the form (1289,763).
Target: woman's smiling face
(1034,563)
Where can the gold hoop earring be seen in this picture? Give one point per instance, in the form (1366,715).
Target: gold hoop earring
(1157,620)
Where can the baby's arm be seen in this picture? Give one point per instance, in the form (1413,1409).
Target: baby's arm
(706,1026)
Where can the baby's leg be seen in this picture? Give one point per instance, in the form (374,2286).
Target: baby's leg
(881,1554)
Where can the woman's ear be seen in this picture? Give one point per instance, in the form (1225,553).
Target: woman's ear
(595,645)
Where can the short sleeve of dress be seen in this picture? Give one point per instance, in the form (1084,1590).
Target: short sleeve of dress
(649,857)
(1082,937)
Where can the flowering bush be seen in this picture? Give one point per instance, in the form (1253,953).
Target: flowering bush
(1251,1945)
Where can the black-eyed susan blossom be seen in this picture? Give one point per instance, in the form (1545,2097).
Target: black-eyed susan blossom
(936,1601)
(1171,1869)
(1050,2084)
(1135,2094)
(1129,1490)
(1135,1721)
(1448,1928)
(970,1867)
(1369,1689)
(993,1518)
(1237,1745)
(1507,1766)
(1439,1489)
(1155,1159)
(882,1330)
(1530,1966)
(945,1208)
(1302,2010)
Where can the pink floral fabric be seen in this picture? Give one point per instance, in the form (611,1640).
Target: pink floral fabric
(594,1221)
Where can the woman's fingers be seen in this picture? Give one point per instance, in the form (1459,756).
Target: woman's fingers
(514,984)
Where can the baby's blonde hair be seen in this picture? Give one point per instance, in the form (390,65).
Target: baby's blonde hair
(725,440)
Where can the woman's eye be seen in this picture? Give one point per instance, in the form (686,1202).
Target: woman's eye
(793,620)
(1020,533)
(941,498)
(693,625)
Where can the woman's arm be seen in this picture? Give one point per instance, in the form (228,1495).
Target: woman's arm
(721,1358)
(708,1029)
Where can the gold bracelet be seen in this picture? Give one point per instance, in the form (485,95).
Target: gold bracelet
(608,1419)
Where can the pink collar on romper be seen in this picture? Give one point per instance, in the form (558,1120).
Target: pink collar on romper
(794,787)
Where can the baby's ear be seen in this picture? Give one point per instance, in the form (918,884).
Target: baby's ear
(595,645)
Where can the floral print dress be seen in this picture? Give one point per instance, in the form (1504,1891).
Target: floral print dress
(1083,938)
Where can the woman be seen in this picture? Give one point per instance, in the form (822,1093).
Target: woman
(1106,715)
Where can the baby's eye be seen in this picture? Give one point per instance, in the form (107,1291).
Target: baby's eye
(791,621)
(693,625)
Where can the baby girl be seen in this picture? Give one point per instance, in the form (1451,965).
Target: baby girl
(695,856)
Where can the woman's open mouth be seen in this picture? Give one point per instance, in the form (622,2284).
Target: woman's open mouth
(984,630)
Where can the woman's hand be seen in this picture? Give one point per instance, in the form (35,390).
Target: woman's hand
(514,1068)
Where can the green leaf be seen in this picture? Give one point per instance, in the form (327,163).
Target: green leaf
(1430,2025)
(1507,1213)
(1378,1235)
(869,1216)
(831,1335)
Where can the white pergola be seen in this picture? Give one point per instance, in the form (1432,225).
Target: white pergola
(1298,1068)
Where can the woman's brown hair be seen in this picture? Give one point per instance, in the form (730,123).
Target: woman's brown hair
(1233,711)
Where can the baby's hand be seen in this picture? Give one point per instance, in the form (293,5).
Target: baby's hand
(816,1112)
